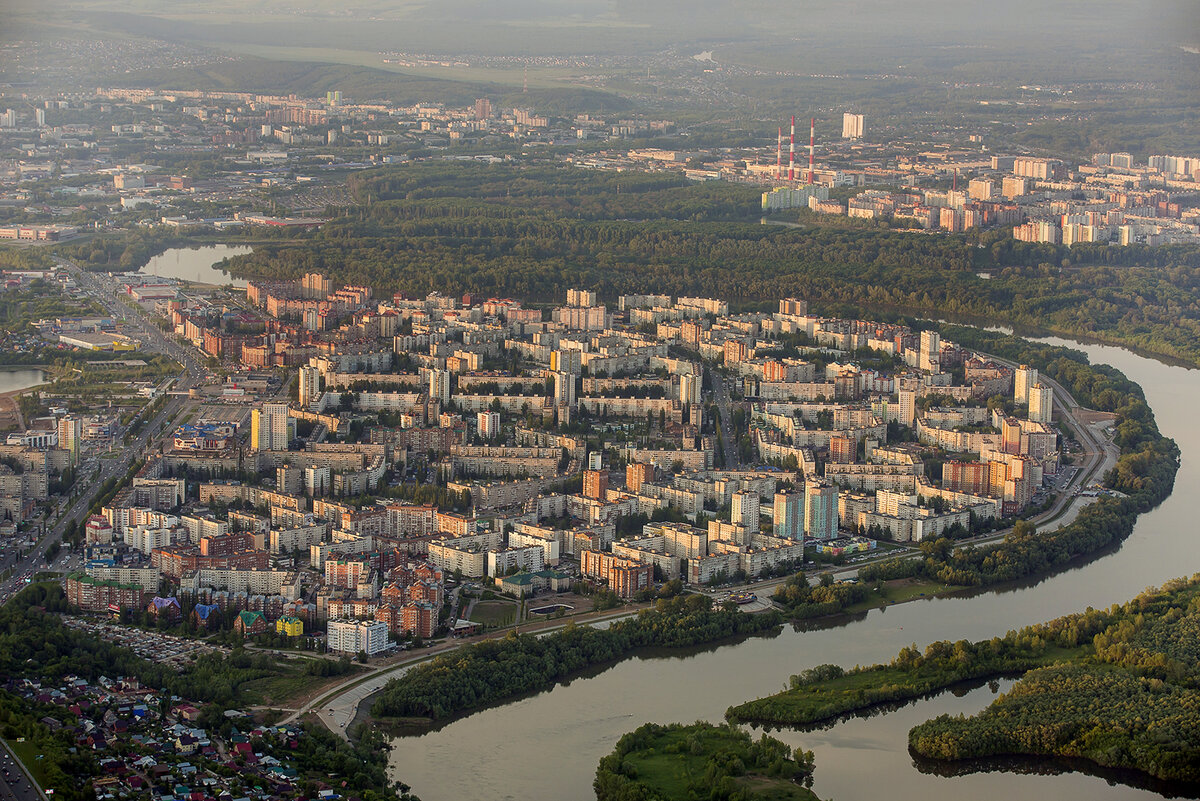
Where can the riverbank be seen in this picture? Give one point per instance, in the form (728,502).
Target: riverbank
(1115,687)
(702,761)
(341,708)
(897,590)
(493,672)
(11,418)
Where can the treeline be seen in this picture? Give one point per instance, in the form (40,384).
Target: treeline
(1119,687)
(1133,704)
(720,763)
(802,601)
(531,231)
(1112,718)
(828,691)
(1145,473)
(35,644)
(559,191)
(493,671)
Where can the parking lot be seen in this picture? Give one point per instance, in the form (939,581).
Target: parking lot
(157,647)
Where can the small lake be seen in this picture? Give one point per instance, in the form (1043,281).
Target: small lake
(17,378)
(196,264)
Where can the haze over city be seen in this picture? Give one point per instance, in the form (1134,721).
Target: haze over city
(545,399)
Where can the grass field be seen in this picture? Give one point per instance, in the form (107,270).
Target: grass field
(909,589)
(900,591)
(494,613)
(293,682)
(27,752)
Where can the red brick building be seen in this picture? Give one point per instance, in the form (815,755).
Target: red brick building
(637,474)
(625,577)
(91,595)
(595,484)
(250,623)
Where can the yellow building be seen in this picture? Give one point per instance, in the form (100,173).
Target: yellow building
(290,626)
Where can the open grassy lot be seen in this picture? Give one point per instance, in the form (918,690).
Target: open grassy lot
(494,613)
(27,752)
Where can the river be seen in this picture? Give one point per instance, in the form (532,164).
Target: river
(17,378)
(195,264)
(547,746)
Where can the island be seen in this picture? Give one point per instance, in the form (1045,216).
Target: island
(722,763)
(1117,688)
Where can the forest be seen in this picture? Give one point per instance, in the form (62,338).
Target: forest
(532,231)
(497,670)
(720,763)
(1118,687)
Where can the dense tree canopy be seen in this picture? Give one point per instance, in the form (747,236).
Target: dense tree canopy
(532,231)
(496,670)
(1119,687)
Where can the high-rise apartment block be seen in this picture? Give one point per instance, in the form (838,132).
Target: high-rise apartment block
(70,434)
(1024,377)
(1041,403)
(357,636)
(1014,187)
(931,351)
(793,306)
(789,515)
(820,510)
(489,424)
(271,428)
(842,449)
(564,389)
(566,361)
(637,474)
(852,126)
(981,189)
(908,407)
(316,285)
(439,386)
(310,384)
(745,509)
(595,484)
(581,297)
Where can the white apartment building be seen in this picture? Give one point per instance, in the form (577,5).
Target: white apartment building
(357,636)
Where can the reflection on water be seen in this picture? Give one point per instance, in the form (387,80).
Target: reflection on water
(16,378)
(195,264)
(548,745)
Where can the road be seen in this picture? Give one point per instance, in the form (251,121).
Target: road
(103,292)
(338,707)
(16,784)
(724,403)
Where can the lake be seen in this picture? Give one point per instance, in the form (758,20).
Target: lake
(547,746)
(17,378)
(196,264)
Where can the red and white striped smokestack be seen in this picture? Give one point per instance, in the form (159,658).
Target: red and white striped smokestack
(812,138)
(792,152)
(779,154)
